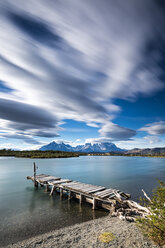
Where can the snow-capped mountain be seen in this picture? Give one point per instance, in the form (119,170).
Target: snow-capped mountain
(102,147)
(53,146)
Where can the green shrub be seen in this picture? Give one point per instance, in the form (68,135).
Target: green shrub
(153,225)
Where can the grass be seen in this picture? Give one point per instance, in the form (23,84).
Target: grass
(106,237)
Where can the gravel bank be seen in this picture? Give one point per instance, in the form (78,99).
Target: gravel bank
(86,235)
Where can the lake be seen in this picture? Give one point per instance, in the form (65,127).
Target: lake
(26,211)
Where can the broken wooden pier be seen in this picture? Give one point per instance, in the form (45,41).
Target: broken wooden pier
(98,196)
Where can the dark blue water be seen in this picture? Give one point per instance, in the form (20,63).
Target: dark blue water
(25,211)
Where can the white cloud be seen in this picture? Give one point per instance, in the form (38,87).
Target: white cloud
(116,132)
(155,128)
(145,142)
(152,139)
(98,140)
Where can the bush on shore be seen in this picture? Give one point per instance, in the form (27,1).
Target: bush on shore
(153,225)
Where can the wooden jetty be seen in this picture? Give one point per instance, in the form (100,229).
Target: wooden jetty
(98,196)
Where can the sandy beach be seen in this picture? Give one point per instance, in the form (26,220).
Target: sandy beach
(86,234)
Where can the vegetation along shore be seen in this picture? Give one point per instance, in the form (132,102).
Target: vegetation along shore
(64,154)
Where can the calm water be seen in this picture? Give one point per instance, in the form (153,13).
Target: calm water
(25,211)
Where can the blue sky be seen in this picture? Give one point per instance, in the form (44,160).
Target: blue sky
(82,71)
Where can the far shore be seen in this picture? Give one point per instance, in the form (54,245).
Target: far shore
(61,154)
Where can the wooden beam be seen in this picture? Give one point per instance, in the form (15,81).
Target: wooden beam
(53,187)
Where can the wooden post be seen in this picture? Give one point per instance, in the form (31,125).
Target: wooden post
(35,182)
(47,188)
(81,197)
(61,193)
(69,195)
(94,204)
(34,170)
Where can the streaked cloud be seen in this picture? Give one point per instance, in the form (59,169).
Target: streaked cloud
(116,132)
(72,60)
(156,128)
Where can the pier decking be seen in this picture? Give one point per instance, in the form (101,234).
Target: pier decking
(98,196)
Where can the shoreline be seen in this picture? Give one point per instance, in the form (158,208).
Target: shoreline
(86,234)
(87,155)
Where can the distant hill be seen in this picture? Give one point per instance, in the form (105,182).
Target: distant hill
(102,147)
(146,151)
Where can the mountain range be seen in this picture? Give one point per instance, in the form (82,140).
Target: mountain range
(102,147)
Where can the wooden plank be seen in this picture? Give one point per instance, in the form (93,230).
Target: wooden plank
(83,186)
(70,184)
(46,179)
(37,176)
(108,195)
(94,190)
(42,175)
(109,190)
(88,189)
(59,181)
(105,192)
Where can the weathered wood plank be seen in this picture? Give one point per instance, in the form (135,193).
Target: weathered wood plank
(105,191)
(42,175)
(70,184)
(58,181)
(87,189)
(94,190)
(46,179)
(84,187)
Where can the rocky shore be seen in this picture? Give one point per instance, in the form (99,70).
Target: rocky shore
(87,235)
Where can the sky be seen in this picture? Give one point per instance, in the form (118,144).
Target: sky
(82,71)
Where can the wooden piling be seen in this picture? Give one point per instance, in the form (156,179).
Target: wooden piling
(81,198)
(35,182)
(61,193)
(94,204)
(69,195)
(47,188)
